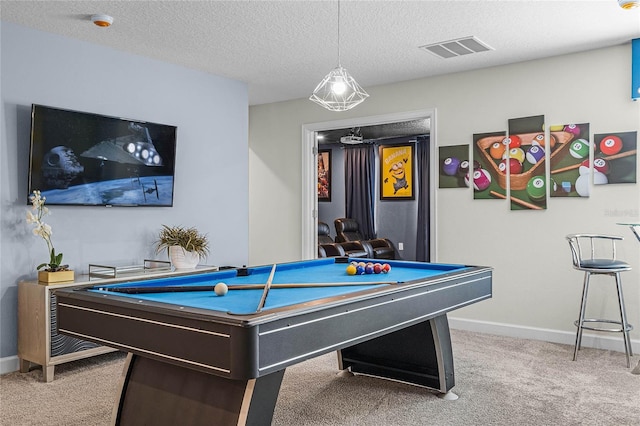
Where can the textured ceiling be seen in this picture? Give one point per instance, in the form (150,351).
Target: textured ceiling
(282,49)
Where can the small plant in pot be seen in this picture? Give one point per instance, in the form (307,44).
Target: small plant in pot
(186,246)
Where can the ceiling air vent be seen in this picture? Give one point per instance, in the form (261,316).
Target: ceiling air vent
(458,47)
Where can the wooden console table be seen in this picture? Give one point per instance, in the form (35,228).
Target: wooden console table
(38,338)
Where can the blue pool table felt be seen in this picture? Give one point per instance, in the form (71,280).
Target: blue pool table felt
(314,271)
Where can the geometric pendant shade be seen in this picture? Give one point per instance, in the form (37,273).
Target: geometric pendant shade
(338,91)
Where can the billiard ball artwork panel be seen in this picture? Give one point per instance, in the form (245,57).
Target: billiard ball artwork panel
(571,170)
(490,168)
(396,172)
(526,142)
(454,165)
(615,158)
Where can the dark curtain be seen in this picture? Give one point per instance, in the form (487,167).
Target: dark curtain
(424,207)
(359,167)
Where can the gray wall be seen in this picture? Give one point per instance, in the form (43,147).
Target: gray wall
(211,184)
(536,292)
(395,220)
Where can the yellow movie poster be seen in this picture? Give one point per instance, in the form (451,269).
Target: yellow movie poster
(396,172)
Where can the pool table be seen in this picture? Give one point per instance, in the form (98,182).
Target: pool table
(195,356)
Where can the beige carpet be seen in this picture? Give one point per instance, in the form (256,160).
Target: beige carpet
(500,381)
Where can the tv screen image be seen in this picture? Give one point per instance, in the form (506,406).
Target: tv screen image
(79,158)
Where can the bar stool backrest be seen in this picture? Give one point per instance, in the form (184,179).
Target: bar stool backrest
(595,253)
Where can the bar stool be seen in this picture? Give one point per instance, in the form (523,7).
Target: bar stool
(584,249)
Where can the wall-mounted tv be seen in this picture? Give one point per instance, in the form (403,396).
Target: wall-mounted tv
(79,158)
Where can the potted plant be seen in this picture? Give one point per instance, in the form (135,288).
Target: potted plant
(185,246)
(53,270)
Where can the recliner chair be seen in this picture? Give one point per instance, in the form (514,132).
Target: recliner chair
(326,246)
(329,248)
(379,248)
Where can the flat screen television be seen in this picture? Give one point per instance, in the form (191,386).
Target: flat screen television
(79,158)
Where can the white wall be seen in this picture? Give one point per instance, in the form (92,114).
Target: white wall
(211,185)
(536,292)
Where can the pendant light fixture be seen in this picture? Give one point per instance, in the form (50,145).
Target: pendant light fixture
(628,4)
(338,91)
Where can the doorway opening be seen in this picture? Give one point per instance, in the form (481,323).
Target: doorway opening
(309,206)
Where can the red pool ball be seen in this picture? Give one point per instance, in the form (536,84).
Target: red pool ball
(611,145)
(377,268)
(514,165)
(386,268)
(601,165)
(512,141)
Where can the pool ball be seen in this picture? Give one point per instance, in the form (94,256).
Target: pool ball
(359,270)
(585,167)
(368,269)
(540,140)
(481,179)
(463,168)
(556,128)
(515,167)
(386,268)
(599,178)
(450,166)
(536,188)
(579,148)
(601,165)
(512,141)
(220,289)
(535,154)
(582,185)
(572,128)
(496,150)
(611,145)
(517,153)
(377,268)
(351,270)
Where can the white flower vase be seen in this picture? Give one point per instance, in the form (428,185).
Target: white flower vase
(182,259)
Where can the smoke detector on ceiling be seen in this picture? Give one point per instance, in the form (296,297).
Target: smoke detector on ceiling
(459,47)
(102,20)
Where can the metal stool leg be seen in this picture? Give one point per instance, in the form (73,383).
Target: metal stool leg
(623,320)
(580,322)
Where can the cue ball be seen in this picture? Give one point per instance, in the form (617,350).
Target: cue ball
(579,148)
(599,178)
(582,185)
(611,145)
(450,166)
(221,289)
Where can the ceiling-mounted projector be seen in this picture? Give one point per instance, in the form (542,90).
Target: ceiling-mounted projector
(351,140)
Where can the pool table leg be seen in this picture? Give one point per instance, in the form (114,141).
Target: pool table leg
(420,354)
(157,393)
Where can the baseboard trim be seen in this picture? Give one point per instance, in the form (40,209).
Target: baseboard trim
(607,341)
(9,364)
